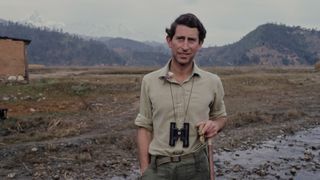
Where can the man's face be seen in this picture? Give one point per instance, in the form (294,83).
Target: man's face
(184,44)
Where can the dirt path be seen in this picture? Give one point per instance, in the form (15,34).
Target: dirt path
(82,125)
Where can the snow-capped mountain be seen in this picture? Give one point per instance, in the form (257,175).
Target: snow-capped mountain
(37,20)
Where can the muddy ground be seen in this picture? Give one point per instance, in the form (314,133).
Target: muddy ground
(77,123)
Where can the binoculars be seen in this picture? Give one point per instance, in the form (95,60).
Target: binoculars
(3,114)
(176,133)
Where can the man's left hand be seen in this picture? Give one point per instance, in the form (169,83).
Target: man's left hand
(210,128)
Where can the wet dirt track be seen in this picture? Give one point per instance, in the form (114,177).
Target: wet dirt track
(287,157)
(80,126)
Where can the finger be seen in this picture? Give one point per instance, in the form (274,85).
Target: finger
(200,126)
(210,128)
(206,127)
(211,134)
(200,129)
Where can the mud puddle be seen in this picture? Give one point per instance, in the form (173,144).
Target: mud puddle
(287,157)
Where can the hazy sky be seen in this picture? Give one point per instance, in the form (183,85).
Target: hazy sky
(226,21)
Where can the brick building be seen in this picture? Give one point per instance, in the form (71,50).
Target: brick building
(13,58)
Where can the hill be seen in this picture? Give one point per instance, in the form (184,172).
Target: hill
(53,47)
(268,44)
(138,53)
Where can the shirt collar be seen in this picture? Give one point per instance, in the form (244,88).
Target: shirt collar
(165,73)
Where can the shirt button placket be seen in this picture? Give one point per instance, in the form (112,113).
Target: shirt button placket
(180,105)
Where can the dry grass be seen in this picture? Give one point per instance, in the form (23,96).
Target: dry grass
(80,119)
(40,128)
(70,105)
(58,107)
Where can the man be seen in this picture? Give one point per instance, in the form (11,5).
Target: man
(176,103)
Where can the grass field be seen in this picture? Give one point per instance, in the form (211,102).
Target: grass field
(77,122)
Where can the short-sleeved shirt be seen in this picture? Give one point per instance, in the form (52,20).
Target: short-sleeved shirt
(163,100)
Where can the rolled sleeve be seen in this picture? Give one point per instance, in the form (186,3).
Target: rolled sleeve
(218,108)
(144,119)
(144,122)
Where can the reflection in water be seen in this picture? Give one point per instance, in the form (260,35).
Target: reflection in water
(296,157)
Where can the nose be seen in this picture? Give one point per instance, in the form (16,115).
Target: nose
(185,45)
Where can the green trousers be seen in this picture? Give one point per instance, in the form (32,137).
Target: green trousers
(193,168)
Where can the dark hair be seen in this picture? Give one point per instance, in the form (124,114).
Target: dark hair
(189,20)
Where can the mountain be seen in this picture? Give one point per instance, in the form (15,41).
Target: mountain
(51,47)
(35,19)
(55,48)
(268,44)
(138,53)
(2,21)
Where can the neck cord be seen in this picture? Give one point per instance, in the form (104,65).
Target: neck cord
(174,109)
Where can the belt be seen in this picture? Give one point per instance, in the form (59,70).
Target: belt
(167,159)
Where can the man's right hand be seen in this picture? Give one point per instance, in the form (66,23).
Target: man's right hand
(143,140)
(143,169)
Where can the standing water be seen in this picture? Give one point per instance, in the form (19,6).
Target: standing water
(288,157)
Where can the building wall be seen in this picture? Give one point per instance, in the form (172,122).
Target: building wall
(12,58)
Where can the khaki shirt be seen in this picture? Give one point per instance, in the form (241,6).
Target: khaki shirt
(157,110)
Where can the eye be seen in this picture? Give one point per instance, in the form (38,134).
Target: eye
(192,40)
(180,38)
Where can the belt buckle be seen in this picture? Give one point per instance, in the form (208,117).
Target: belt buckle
(175,159)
